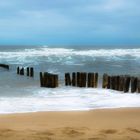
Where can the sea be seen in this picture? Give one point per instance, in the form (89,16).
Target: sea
(19,94)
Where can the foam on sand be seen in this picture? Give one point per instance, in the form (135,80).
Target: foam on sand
(68,99)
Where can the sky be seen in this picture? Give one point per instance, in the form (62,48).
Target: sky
(69,22)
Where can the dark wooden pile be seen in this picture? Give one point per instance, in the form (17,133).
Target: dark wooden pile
(123,83)
(29,71)
(81,79)
(48,80)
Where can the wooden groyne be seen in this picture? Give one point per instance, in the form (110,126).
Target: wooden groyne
(48,80)
(81,79)
(4,66)
(29,71)
(123,83)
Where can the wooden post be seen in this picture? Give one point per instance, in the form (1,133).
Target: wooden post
(78,79)
(18,71)
(22,71)
(73,79)
(133,84)
(96,80)
(116,80)
(126,84)
(105,81)
(41,79)
(4,66)
(28,71)
(112,82)
(52,81)
(67,79)
(83,78)
(121,83)
(108,85)
(138,85)
(46,79)
(31,72)
(56,81)
(91,81)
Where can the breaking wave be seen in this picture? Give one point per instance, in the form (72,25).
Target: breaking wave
(66,54)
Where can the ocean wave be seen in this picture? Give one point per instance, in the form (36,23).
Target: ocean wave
(61,54)
(68,99)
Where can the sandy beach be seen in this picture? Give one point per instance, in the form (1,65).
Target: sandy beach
(105,124)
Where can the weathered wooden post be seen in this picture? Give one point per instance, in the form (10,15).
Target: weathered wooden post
(96,80)
(78,79)
(91,81)
(31,72)
(126,83)
(4,66)
(49,80)
(108,85)
(111,82)
(73,79)
(52,81)
(41,79)
(121,83)
(18,71)
(67,79)
(22,71)
(133,84)
(28,71)
(116,80)
(83,78)
(56,80)
(105,81)
(138,85)
(45,79)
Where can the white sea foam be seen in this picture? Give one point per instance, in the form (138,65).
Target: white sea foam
(60,54)
(68,99)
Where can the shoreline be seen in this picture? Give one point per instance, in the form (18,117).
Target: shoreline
(91,110)
(101,124)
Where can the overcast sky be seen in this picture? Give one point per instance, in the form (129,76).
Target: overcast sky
(69,22)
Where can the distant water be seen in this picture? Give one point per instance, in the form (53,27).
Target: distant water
(23,94)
